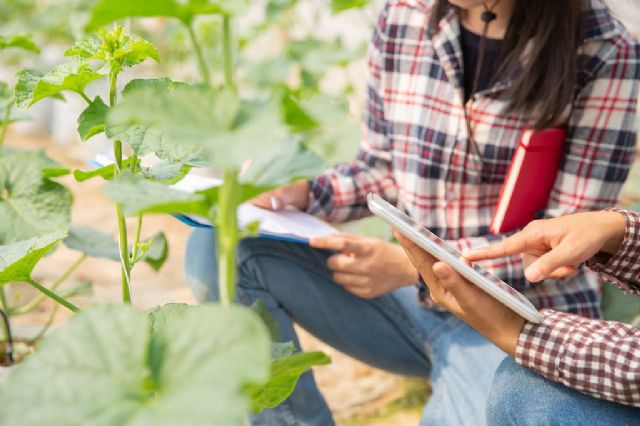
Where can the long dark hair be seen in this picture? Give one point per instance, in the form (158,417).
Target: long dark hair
(547,83)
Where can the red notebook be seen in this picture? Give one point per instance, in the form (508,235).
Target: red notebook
(530,178)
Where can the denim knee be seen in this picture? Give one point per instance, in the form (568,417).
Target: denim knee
(509,393)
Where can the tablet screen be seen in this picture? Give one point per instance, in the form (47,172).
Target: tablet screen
(443,251)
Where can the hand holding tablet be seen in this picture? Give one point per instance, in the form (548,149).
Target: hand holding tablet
(439,249)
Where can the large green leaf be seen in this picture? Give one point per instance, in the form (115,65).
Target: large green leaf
(110,366)
(228,130)
(138,195)
(291,161)
(285,373)
(21,41)
(17,260)
(107,11)
(30,204)
(140,133)
(73,76)
(93,119)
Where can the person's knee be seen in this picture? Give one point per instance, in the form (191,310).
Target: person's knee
(509,393)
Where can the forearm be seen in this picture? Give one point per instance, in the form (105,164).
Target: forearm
(598,358)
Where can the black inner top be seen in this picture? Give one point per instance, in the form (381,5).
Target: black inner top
(470,43)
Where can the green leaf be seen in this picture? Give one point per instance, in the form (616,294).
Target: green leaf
(115,48)
(17,260)
(284,375)
(92,120)
(138,195)
(617,306)
(282,350)
(216,121)
(30,204)
(107,11)
(106,172)
(73,76)
(157,251)
(175,366)
(167,172)
(21,41)
(292,161)
(92,243)
(136,128)
(342,5)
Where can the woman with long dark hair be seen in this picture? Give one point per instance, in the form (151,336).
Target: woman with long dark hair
(453,85)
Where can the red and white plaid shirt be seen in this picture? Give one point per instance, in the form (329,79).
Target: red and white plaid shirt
(413,150)
(599,358)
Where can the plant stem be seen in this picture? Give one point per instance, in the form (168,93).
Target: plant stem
(113,93)
(136,240)
(85,97)
(202,63)
(227,40)
(7,333)
(228,235)
(125,268)
(124,255)
(3,300)
(61,300)
(30,306)
(5,122)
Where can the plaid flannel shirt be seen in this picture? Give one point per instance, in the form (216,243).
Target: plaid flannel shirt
(599,358)
(413,151)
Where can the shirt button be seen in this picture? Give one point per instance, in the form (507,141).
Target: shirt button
(451,195)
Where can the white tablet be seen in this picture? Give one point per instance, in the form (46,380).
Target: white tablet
(435,246)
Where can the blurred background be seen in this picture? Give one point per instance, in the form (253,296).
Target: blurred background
(316,48)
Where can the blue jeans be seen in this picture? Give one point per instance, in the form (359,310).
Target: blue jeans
(520,397)
(392,332)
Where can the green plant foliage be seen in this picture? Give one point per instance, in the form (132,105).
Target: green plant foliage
(617,306)
(216,120)
(72,76)
(107,11)
(342,5)
(138,195)
(30,203)
(94,243)
(260,309)
(140,130)
(114,48)
(18,259)
(291,161)
(284,375)
(21,41)
(106,172)
(92,120)
(176,364)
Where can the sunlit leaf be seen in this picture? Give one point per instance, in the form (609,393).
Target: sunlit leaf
(18,259)
(30,203)
(92,120)
(21,41)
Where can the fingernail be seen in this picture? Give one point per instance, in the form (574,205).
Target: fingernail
(534,274)
(275,203)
